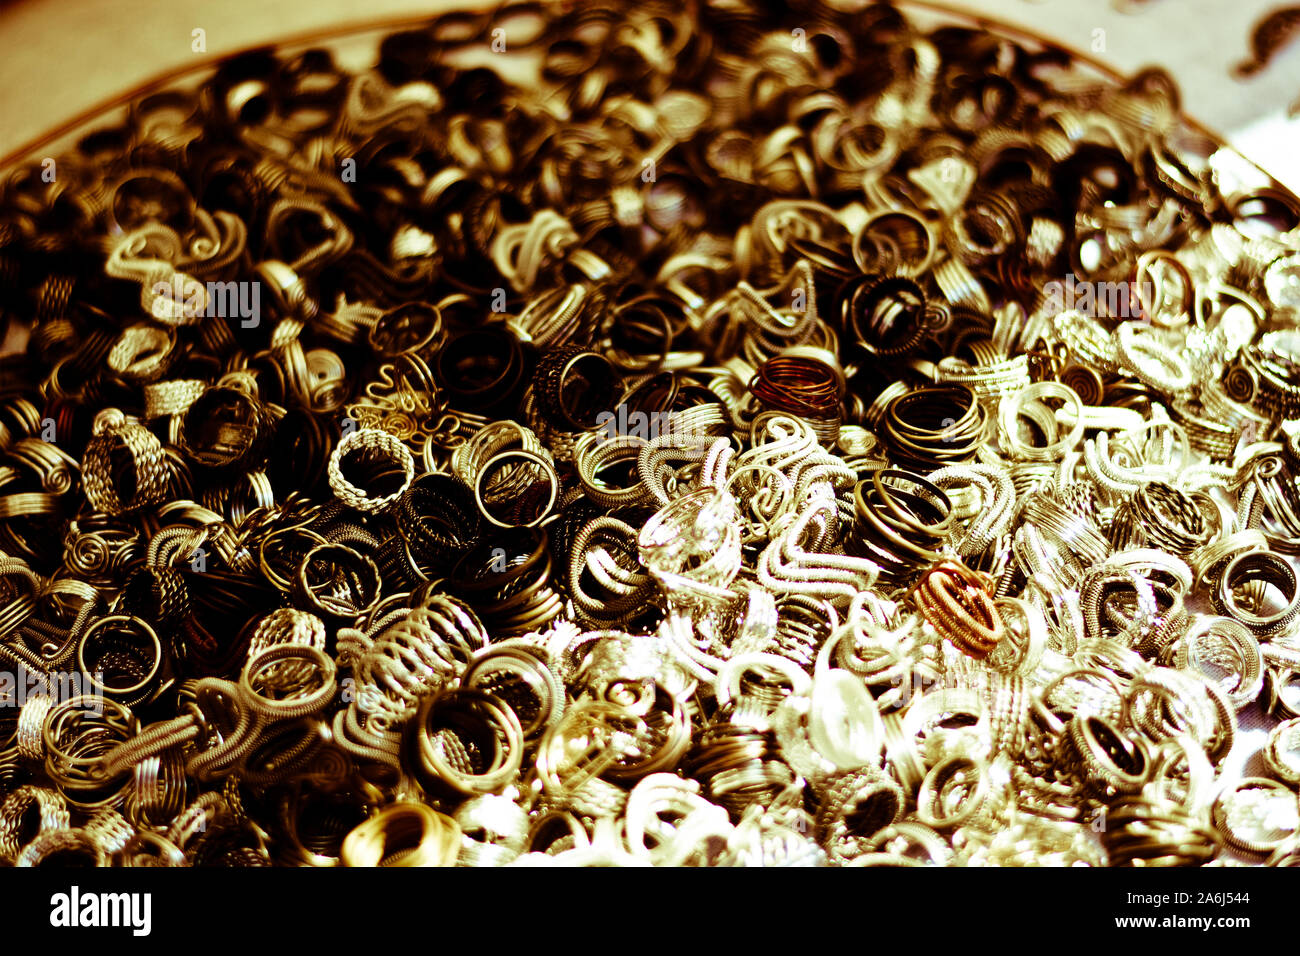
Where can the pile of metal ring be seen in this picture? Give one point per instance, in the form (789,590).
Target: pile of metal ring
(758,437)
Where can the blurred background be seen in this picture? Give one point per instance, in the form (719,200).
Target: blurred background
(59,58)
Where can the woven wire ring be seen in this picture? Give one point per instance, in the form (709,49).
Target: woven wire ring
(376,443)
